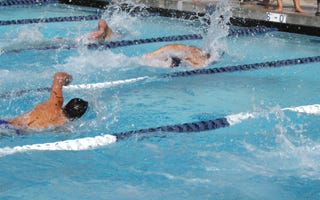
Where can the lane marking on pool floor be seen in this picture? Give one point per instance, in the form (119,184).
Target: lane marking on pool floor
(88,143)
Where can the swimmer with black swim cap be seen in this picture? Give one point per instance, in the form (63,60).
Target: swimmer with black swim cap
(175,62)
(177,54)
(75,108)
(51,112)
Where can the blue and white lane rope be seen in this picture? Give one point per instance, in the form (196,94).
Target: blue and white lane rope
(89,143)
(26,2)
(77,87)
(226,69)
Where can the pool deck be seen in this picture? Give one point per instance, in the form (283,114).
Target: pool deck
(254,12)
(245,12)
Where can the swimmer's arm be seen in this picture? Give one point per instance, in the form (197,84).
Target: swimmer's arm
(166,49)
(56,95)
(96,34)
(157,52)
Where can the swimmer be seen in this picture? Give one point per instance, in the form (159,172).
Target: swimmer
(51,112)
(103,34)
(174,55)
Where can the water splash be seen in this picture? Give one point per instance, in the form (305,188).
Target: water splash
(24,37)
(29,34)
(215,39)
(122,21)
(290,157)
(124,25)
(288,148)
(90,61)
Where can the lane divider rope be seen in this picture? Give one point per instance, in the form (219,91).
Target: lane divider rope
(114,44)
(247,67)
(88,143)
(123,43)
(237,32)
(75,87)
(26,2)
(65,19)
(49,20)
(226,69)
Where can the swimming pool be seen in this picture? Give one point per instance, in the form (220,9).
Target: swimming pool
(271,155)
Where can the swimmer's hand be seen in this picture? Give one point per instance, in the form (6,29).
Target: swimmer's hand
(95,35)
(63,78)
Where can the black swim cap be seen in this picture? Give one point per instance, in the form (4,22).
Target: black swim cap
(75,108)
(175,62)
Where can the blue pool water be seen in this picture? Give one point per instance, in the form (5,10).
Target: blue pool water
(272,155)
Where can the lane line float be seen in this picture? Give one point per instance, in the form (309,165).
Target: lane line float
(89,143)
(218,70)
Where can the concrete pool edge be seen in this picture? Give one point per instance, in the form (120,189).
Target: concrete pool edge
(243,15)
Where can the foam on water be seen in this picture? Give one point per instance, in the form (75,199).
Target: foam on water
(91,61)
(290,157)
(26,36)
(121,21)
